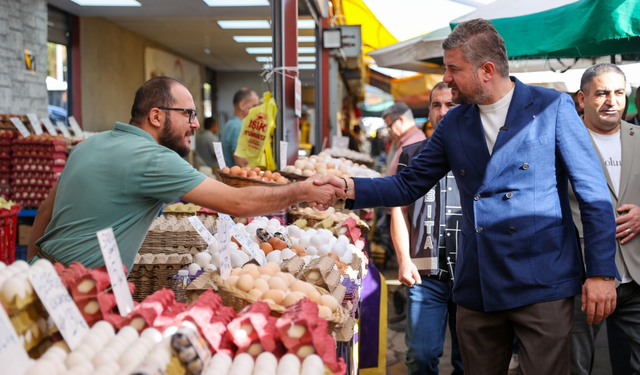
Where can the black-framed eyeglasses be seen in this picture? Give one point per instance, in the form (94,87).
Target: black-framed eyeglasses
(192,112)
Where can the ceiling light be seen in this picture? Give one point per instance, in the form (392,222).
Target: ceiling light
(306,49)
(245,24)
(253,39)
(107,3)
(306,39)
(264,58)
(306,24)
(306,66)
(260,50)
(306,59)
(236,3)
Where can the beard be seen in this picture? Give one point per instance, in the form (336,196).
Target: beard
(477,95)
(173,141)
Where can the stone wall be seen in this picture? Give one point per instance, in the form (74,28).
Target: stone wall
(23,25)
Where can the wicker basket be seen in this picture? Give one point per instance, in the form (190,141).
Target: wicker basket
(292,176)
(151,277)
(239,181)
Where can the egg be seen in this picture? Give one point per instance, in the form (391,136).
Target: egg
(267,248)
(323,250)
(261,285)
(211,267)
(288,361)
(279,283)
(305,350)
(311,250)
(91,307)
(314,295)
(203,258)
(266,362)
(266,271)
(214,247)
(232,280)
(286,254)
(74,358)
(127,333)
(242,364)
(86,286)
(236,259)
(194,268)
(274,256)
(55,353)
(245,282)
(296,331)
(138,323)
(317,240)
(253,272)
(292,298)
(297,248)
(12,288)
(329,301)
(294,231)
(276,295)
(215,260)
(255,349)
(274,266)
(265,277)
(255,293)
(313,276)
(305,241)
(299,286)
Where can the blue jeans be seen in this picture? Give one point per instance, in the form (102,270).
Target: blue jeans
(429,307)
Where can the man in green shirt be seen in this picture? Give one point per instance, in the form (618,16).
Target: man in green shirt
(121,178)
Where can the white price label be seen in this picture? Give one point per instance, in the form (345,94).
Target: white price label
(243,238)
(13,357)
(77,130)
(113,262)
(225,257)
(35,123)
(59,304)
(283,154)
(202,231)
(339,142)
(217,147)
(20,126)
(63,129)
(49,126)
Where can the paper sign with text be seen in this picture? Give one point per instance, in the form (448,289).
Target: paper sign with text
(20,126)
(77,130)
(35,123)
(13,357)
(243,238)
(63,129)
(283,154)
(339,142)
(202,230)
(113,262)
(217,146)
(60,306)
(225,257)
(49,126)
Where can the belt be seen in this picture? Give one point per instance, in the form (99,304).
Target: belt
(42,255)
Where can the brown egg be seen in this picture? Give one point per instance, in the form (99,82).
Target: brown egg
(282,180)
(329,301)
(236,272)
(256,169)
(274,266)
(266,248)
(324,312)
(292,298)
(297,248)
(245,283)
(225,170)
(232,280)
(334,256)
(277,296)
(276,175)
(252,174)
(273,240)
(315,296)
(266,271)
(299,286)
(280,245)
(253,272)
(267,174)
(242,174)
(279,283)
(235,170)
(261,285)
(256,293)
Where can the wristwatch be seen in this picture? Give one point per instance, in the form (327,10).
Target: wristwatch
(607,278)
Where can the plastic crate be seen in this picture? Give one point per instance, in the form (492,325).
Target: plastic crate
(8,230)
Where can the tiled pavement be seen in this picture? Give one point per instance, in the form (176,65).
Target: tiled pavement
(396,347)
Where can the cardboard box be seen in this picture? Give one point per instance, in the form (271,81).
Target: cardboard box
(24,231)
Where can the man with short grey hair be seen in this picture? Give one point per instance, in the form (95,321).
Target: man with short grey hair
(402,127)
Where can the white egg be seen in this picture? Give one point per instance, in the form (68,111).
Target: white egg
(332,241)
(266,360)
(251,228)
(119,344)
(194,268)
(74,358)
(288,362)
(343,239)
(21,265)
(2,266)
(130,357)
(151,334)
(232,246)
(307,259)
(85,350)
(271,228)
(82,368)
(55,353)
(245,257)
(127,333)
(274,256)
(242,363)
(215,259)
(317,240)
(311,250)
(203,258)
(323,250)
(214,247)
(211,267)
(113,366)
(339,249)
(347,257)
(105,327)
(305,240)
(286,254)
(311,232)
(13,287)
(236,259)
(294,241)
(326,233)
(106,355)
(275,222)
(294,231)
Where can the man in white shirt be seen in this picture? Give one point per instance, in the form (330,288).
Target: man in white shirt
(617,143)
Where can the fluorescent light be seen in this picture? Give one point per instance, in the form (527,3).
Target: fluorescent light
(306,59)
(306,24)
(236,3)
(267,66)
(245,24)
(306,66)
(264,58)
(306,49)
(306,39)
(107,3)
(253,39)
(260,50)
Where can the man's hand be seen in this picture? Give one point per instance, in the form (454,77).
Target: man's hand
(598,298)
(628,225)
(322,195)
(408,273)
(330,179)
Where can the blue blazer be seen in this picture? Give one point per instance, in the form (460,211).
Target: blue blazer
(518,244)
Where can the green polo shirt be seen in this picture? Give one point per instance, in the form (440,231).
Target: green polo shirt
(118,179)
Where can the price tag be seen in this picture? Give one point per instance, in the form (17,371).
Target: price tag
(49,126)
(202,231)
(112,260)
(13,357)
(283,154)
(243,238)
(59,304)
(20,126)
(339,142)
(217,146)
(35,123)
(77,130)
(63,129)
(225,257)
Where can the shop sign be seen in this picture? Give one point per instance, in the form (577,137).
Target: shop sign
(283,154)
(35,123)
(59,304)
(202,231)
(113,262)
(49,126)
(13,357)
(224,237)
(20,126)
(63,129)
(217,147)
(77,130)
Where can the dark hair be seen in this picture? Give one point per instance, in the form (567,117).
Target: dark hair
(596,70)
(398,110)
(480,43)
(210,122)
(242,94)
(439,86)
(154,93)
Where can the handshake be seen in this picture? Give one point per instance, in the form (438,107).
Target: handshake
(322,192)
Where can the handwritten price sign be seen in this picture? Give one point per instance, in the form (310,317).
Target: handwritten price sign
(225,257)
(13,357)
(113,261)
(202,231)
(243,238)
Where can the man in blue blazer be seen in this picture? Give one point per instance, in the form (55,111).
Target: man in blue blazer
(513,149)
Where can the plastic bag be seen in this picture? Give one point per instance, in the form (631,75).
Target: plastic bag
(256,137)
